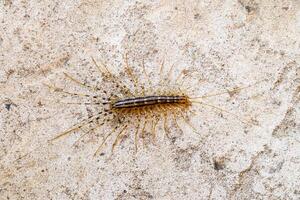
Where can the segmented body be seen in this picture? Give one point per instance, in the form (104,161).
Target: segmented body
(146,111)
(149,100)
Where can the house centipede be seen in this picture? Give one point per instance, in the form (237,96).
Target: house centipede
(136,107)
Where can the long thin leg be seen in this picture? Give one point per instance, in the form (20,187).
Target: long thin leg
(227,92)
(146,75)
(189,123)
(133,79)
(136,137)
(56,89)
(161,72)
(184,107)
(93,97)
(81,83)
(170,72)
(148,110)
(170,109)
(143,131)
(106,73)
(182,74)
(179,76)
(82,103)
(77,141)
(180,107)
(176,123)
(136,134)
(153,129)
(165,125)
(104,140)
(119,137)
(77,103)
(165,117)
(188,88)
(192,127)
(239,118)
(130,73)
(216,94)
(88,132)
(151,126)
(102,68)
(76,127)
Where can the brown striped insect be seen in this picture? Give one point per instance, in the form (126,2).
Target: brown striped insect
(135,107)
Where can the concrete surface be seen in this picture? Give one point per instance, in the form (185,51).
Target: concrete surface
(227,43)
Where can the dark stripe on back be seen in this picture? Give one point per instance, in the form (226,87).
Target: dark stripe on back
(148,100)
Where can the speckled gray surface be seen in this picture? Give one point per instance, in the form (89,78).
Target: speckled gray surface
(228,43)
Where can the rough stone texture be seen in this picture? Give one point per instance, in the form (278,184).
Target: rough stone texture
(228,43)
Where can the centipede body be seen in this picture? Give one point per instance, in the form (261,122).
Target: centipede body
(150,101)
(138,108)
